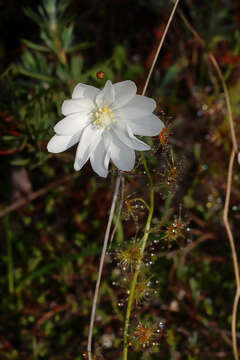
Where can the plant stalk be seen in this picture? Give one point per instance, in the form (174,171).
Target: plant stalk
(138,266)
(151,206)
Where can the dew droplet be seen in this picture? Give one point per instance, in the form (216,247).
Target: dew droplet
(161,324)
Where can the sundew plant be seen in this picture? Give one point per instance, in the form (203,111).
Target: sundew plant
(120,182)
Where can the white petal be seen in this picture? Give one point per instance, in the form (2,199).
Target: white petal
(146,126)
(83,90)
(59,143)
(122,132)
(72,123)
(139,106)
(88,141)
(124,92)
(97,159)
(106,160)
(77,105)
(107,142)
(122,156)
(106,96)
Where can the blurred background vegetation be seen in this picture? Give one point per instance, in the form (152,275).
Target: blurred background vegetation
(53,221)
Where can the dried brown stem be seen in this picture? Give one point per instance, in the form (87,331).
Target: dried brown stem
(105,243)
(184,252)
(160,46)
(36,194)
(229,183)
(220,74)
(119,210)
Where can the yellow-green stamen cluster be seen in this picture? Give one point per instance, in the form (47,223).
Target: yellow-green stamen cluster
(103,118)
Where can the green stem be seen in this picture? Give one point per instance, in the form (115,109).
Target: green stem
(138,266)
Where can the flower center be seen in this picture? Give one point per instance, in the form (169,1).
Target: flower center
(103,118)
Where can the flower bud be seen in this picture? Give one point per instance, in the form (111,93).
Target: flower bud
(100,75)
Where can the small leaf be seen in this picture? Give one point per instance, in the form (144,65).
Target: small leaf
(20,162)
(33,16)
(67,37)
(82,46)
(28,60)
(76,66)
(48,41)
(35,46)
(134,71)
(61,72)
(119,57)
(36,75)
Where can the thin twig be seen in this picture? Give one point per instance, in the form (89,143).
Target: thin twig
(229,184)
(160,46)
(185,251)
(234,254)
(105,243)
(36,194)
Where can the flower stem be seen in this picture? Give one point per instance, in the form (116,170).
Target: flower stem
(138,266)
(151,206)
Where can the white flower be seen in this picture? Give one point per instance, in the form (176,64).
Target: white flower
(104,122)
